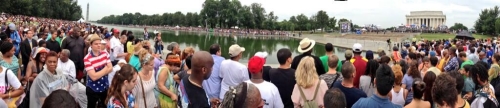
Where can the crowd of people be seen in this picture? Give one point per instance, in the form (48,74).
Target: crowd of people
(78,65)
(233,31)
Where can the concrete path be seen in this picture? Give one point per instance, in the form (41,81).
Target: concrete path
(373,45)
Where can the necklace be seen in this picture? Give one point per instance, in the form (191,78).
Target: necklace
(195,84)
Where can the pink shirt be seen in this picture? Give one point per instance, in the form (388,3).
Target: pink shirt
(309,93)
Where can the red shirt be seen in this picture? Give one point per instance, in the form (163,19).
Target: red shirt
(359,63)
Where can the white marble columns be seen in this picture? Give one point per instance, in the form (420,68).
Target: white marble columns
(429,22)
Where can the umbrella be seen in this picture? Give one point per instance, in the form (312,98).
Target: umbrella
(464,35)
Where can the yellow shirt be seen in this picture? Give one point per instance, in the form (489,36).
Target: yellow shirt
(130,47)
(442,63)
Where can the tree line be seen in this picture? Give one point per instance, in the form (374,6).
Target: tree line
(488,22)
(228,14)
(55,9)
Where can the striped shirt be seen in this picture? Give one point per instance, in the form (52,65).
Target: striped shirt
(97,63)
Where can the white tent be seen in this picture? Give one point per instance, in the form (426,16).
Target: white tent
(81,20)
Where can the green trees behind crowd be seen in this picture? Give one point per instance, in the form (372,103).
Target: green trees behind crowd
(227,14)
(488,22)
(56,9)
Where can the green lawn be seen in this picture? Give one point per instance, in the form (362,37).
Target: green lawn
(435,36)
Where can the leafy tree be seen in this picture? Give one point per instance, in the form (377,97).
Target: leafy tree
(497,25)
(332,22)
(458,26)
(56,9)
(486,21)
(322,19)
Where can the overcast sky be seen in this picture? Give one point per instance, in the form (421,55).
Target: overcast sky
(386,13)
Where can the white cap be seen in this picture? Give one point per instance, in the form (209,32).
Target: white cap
(261,54)
(122,61)
(235,50)
(357,47)
(103,41)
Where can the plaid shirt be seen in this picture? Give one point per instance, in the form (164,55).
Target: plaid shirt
(452,65)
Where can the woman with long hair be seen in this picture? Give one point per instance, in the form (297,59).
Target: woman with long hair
(484,90)
(398,94)
(119,93)
(165,90)
(187,52)
(366,81)
(145,97)
(35,66)
(429,79)
(495,68)
(424,66)
(9,60)
(308,83)
(418,88)
(408,79)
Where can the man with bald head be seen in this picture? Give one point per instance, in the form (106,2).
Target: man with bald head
(75,44)
(191,87)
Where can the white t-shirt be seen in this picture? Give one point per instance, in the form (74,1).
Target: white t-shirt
(11,78)
(232,74)
(67,68)
(117,48)
(112,74)
(270,94)
(3,104)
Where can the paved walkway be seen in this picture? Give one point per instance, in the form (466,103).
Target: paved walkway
(347,43)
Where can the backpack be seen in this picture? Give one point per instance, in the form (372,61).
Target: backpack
(310,103)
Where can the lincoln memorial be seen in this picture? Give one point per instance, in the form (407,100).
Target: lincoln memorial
(427,18)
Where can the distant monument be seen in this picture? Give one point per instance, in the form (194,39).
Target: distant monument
(87,17)
(345,26)
(426,18)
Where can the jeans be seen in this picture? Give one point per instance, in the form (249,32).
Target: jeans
(95,99)
(157,50)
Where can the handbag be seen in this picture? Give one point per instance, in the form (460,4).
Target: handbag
(13,102)
(143,94)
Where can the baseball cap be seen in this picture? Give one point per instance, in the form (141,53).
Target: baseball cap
(261,54)
(357,47)
(103,42)
(255,64)
(12,26)
(107,35)
(116,31)
(235,50)
(348,53)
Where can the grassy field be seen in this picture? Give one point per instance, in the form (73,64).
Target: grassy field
(435,36)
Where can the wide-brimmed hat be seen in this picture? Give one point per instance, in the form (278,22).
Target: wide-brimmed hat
(38,50)
(305,45)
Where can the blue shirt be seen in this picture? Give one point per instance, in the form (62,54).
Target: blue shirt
(16,40)
(375,102)
(212,84)
(453,64)
(352,95)
(489,54)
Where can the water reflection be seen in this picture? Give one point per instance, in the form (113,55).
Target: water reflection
(202,41)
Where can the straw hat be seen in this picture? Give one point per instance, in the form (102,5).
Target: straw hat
(305,45)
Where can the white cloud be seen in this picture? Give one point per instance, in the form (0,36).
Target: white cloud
(381,12)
